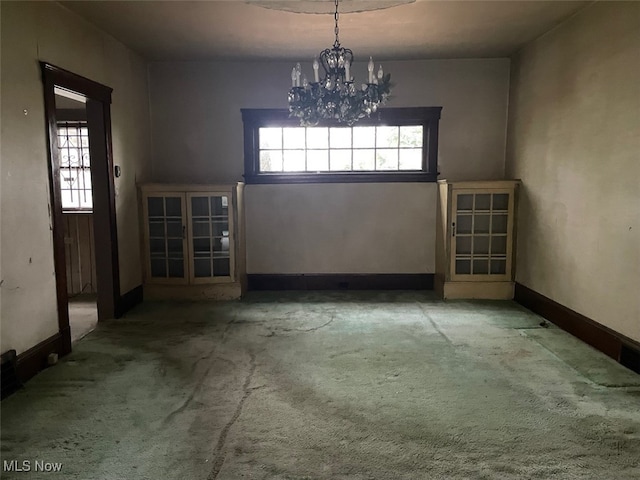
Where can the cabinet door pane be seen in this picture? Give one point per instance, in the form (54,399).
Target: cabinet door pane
(481,266)
(500,202)
(173,207)
(481,223)
(210,230)
(463,245)
(498,245)
(155,206)
(498,267)
(483,201)
(481,244)
(499,224)
(463,225)
(166,246)
(221,267)
(463,267)
(465,201)
(202,267)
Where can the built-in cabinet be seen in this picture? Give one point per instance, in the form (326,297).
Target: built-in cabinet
(192,238)
(475,239)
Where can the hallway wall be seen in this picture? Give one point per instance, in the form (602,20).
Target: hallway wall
(46,31)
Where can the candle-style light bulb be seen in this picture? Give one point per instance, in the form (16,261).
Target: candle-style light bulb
(347,71)
(380,73)
(370,68)
(316,66)
(293,77)
(298,70)
(305,82)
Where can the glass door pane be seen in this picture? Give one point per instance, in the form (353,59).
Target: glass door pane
(480,233)
(210,236)
(166,245)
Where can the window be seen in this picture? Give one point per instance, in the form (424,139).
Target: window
(75,171)
(399,144)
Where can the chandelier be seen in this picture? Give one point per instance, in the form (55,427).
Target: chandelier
(335,95)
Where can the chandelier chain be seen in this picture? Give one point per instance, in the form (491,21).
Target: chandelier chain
(336,16)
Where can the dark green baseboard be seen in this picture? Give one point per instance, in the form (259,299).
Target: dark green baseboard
(386,281)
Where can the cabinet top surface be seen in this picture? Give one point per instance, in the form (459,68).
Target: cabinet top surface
(188,187)
(482,183)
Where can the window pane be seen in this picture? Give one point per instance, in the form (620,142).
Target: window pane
(411,159)
(293,161)
(387,159)
(317,160)
(364,137)
(340,160)
(387,137)
(271,161)
(411,136)
(293,137)
(270,138)
(317,137)
(364,159)
(340,137)
(86,199)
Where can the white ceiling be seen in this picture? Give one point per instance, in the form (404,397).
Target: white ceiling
(241,30)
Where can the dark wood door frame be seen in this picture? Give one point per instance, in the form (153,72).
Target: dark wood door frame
(104,217)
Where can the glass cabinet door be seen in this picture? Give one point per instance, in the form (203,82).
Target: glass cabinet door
(211,244)
(481,235)
(166,237)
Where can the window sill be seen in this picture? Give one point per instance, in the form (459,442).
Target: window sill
(340,177)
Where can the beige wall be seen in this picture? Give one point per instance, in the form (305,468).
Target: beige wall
(197,126)
(48,32)
(574,140)
(337,228)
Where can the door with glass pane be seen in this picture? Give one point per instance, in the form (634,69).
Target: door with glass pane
(211,243)
(166,237)
(481,230)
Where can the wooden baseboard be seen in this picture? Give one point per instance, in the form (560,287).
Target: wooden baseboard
(129,300)
(390,281)
(608,341)
(32,361)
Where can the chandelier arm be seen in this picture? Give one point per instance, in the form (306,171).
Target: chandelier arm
(336,30)
(335,97)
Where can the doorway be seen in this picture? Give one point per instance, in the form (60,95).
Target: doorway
(82,200)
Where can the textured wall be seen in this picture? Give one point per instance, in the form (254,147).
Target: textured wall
(45,31)
(574,140)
